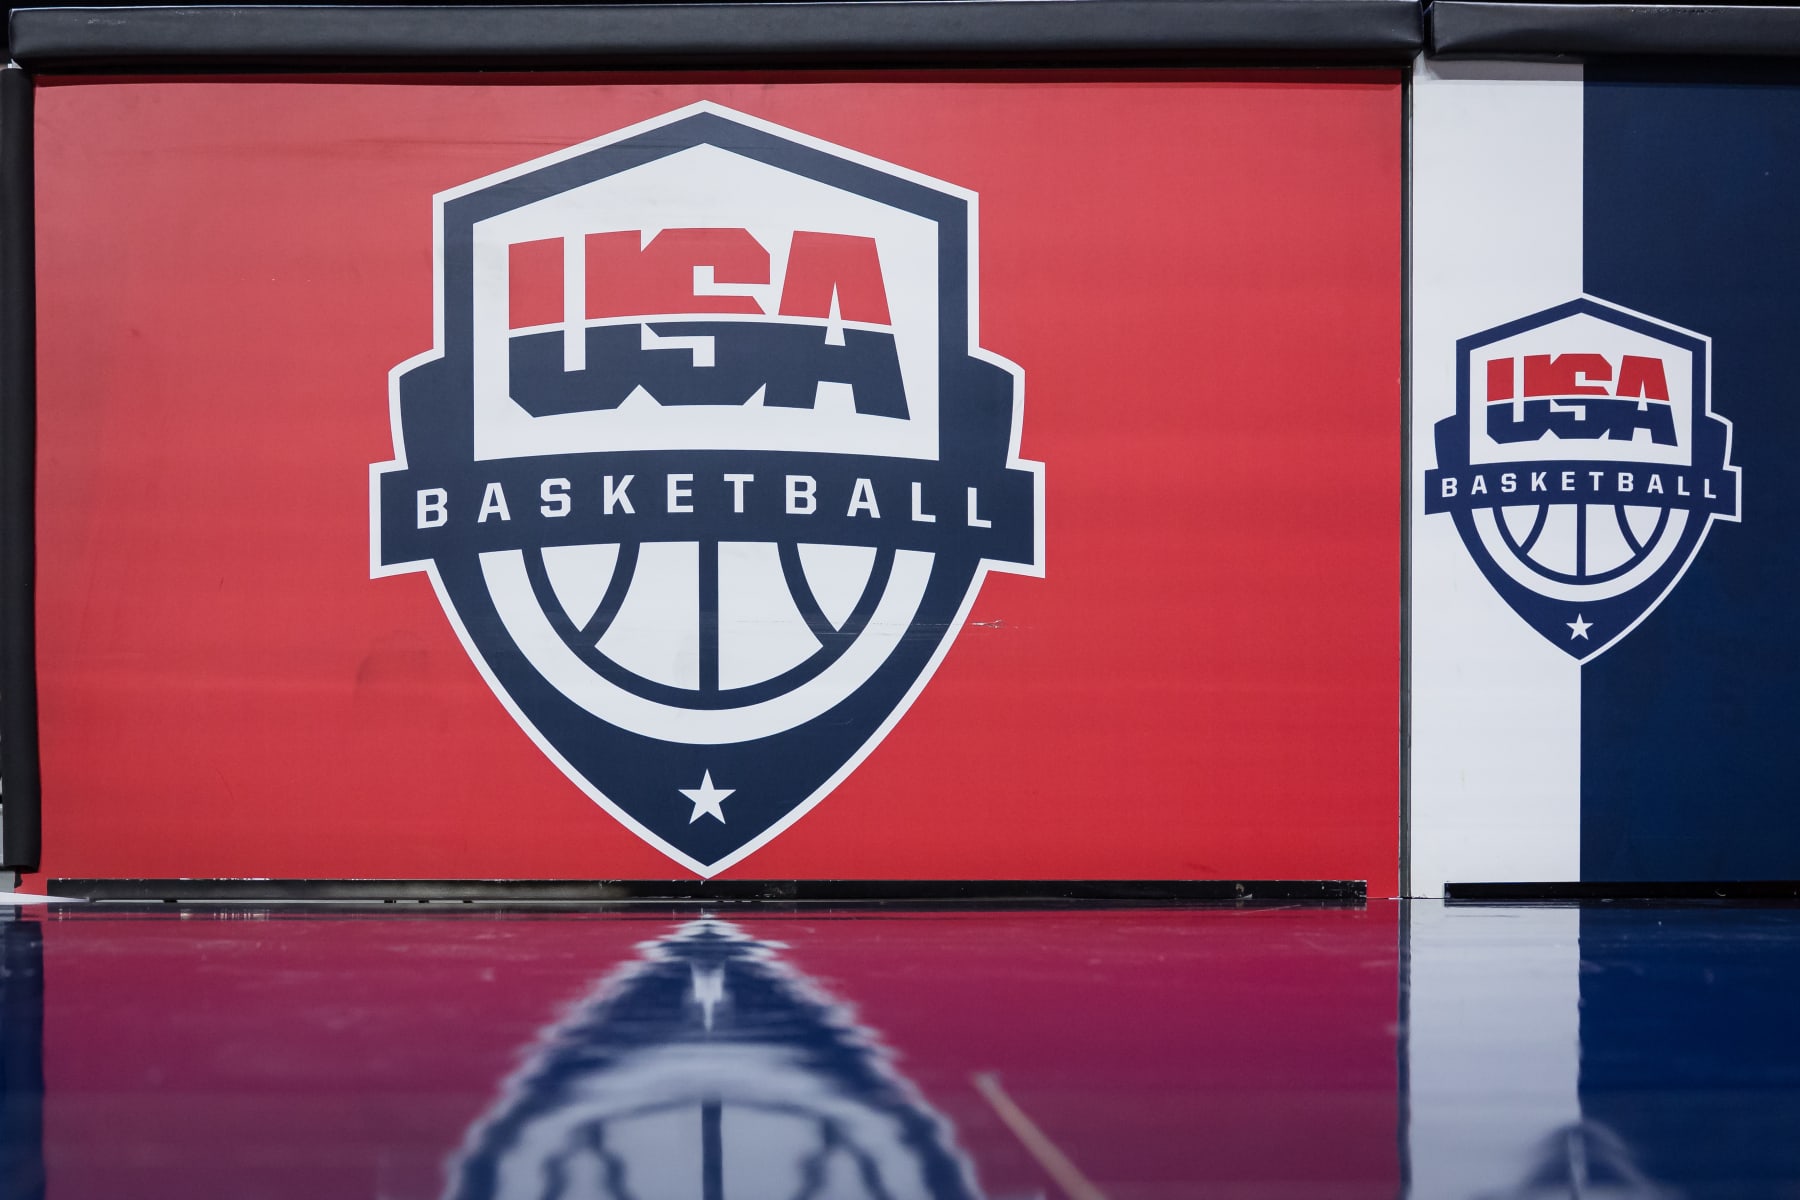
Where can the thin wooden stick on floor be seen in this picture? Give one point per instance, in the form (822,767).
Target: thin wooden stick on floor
(1055,1163)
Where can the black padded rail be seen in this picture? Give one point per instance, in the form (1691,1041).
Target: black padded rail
(819,33)
(1754,889)
(614,891)
(19,790)
(1489,28)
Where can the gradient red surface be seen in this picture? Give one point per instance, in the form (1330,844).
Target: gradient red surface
(1199,275)
(1166,1054)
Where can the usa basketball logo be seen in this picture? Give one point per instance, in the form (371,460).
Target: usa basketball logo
(707,466)
(1584,466)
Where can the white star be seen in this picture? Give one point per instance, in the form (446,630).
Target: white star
(1577,628)
(707,799)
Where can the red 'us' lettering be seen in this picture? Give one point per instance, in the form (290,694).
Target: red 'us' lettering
(710,271)
(1552,375)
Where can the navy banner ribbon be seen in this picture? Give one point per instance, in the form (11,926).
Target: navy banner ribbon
(556,500)
(1500,485)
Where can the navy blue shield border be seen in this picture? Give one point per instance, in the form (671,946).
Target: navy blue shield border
(774,779)
(1613,617)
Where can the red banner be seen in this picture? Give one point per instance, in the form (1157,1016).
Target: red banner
(1153,623)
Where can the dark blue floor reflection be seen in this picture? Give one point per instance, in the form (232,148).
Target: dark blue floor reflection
(1606,1049)
(21,1059)
(1690,1044)
(1459,1051)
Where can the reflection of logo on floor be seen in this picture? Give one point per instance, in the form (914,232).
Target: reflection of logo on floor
(1584,466)
(707,1069)
(1586,1160)
(708,463)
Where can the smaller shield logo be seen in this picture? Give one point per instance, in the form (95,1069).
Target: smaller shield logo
(1584,466)
(708,463)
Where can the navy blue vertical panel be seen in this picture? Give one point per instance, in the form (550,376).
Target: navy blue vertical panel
(1690,1070)
(1691,725)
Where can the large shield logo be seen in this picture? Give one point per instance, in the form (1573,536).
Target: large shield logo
(1584,466)
(707,465)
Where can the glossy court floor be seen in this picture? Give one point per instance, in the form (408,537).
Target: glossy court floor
(757,1053)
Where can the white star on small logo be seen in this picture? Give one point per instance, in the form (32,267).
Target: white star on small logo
(1578,628)
(707,799)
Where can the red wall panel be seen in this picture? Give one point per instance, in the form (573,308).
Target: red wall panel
(1198,274)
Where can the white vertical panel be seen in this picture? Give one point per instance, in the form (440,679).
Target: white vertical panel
(1496,711)
(1493,1045)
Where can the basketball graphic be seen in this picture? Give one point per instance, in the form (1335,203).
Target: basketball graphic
(1583,466)
(1583,543)
(708,464)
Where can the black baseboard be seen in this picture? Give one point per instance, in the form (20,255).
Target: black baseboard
(612,891)
(1738,889)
